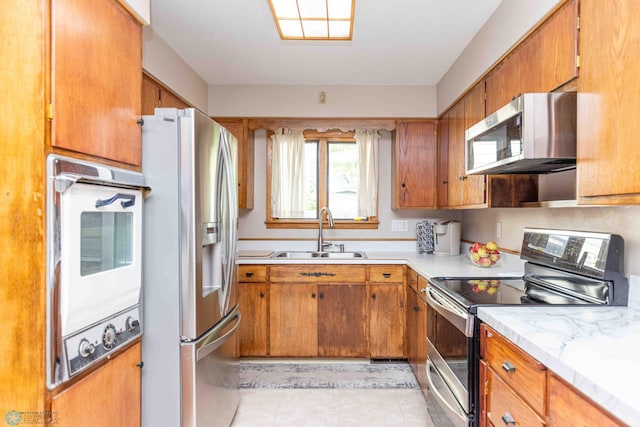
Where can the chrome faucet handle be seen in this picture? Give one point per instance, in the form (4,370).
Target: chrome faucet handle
(340,246)
(326,245)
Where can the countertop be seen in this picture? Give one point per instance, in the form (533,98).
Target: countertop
(596,349)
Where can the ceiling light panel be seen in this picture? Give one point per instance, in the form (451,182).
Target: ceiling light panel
(314,19)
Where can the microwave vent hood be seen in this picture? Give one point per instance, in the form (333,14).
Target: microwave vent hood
(533,134)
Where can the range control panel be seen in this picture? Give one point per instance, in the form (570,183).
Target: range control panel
(94,343)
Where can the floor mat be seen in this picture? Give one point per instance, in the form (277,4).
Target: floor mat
(332,375)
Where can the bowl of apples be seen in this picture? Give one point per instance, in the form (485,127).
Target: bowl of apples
(485,255)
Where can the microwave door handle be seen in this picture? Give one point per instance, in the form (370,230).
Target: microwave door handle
(127,201)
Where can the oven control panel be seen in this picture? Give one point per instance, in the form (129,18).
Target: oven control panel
(99,340)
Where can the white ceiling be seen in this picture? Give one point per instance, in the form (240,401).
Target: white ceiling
(395,42)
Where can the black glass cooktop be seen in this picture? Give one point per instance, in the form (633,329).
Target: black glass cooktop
(483,291)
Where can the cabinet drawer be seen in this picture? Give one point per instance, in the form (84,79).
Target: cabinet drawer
(252,273)
(519,370)
(386,273)
(317,273)
(568,406)
(412,279)
(504,406)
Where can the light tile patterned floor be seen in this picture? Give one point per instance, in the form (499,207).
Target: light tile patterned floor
(331,408)
(278,396)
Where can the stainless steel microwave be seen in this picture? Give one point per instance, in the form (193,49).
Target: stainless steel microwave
(535,133)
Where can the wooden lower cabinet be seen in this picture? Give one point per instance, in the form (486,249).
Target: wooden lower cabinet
(516,389)
(386,320)
(342,329)
(416,337)
(253,332)
(109,396)
(293,319)
(568,407)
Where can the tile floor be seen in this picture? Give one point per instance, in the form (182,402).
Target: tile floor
(265,406)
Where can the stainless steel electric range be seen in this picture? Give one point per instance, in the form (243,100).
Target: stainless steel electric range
(563,267)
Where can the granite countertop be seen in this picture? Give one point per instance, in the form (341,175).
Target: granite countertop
(596,349)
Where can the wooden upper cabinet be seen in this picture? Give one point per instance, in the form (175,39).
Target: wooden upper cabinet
(442,174)
(455,117)
(608,159)
(545,61)
(97,80)
(474,185)
(156,95)
(246,142)
(504,83)
(414,162)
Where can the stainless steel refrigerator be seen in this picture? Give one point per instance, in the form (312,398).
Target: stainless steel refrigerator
(189,349)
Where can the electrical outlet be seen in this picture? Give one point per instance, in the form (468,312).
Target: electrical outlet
(399,225)
(498,229)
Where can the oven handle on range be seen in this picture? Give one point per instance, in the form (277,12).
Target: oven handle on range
(458,316)
(455,413)
(128,200)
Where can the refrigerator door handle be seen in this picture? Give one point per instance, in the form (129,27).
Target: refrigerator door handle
(227,166)
(218,334)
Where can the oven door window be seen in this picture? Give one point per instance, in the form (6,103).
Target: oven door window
(106,241)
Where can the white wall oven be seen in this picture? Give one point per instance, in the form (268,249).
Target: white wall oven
(94,263)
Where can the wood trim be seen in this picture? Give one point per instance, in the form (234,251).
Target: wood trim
(313,224)
(344,124)
(173,93)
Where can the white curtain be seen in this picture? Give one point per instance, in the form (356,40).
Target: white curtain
(287,164)
(367,142)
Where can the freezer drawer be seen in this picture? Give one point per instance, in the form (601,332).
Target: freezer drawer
(210,394)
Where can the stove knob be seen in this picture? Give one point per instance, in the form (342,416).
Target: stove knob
(109,337)
(131,323)
(86,349)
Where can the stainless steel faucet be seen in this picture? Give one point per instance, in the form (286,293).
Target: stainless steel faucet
(321,243)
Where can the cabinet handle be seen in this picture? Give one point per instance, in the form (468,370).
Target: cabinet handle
(423,290)
(249,274)
(386,275)
(416,308)
(140,122)
(445,182)
(321,295)
(140,364)
(508,367)
(508,419)
(403,185)
(313,295)
(261,294)
(373,296)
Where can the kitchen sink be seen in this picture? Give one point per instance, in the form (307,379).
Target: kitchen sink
(316,254)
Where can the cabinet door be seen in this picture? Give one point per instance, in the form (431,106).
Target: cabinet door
(253,332)
(568,407)
(97,80)
(386,320)
(456,155)
(474,185)
(504,83)
(415,165)
(442,180)
(608,159)
(342,318)
(293,319)
(416,337)
(110,396)
(150,96)
(246,142)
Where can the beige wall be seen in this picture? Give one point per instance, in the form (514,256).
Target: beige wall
(341,101)
(480,225)
(252,224)
(511,20)
(159,60)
